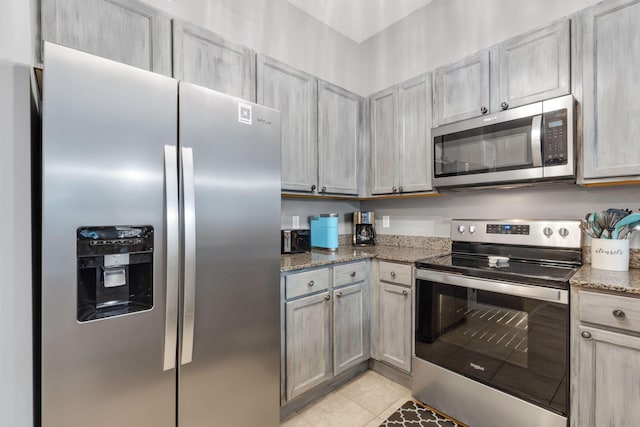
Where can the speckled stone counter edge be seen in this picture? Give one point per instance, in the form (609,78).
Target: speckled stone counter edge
(402,249)
(618,281)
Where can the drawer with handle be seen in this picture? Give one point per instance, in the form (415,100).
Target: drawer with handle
(349,273)
(610,310)
(299,284)
(395,273)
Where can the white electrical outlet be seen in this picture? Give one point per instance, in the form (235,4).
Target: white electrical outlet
(296,222)
(385,221)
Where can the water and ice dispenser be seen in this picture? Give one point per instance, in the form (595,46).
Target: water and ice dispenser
(115,271)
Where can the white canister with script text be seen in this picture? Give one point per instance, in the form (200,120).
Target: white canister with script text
(610,254)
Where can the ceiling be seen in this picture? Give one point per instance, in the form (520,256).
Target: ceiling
(359,19)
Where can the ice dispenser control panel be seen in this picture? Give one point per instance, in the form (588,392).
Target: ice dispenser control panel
(115,271)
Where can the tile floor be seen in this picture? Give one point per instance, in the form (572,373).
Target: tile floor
(365,401)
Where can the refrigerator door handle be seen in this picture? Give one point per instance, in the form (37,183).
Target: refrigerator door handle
(189,279)
(172,254)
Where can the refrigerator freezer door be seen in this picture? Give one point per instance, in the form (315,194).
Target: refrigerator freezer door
(105,126)
(233,377)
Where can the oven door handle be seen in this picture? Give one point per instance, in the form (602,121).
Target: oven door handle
(534,292)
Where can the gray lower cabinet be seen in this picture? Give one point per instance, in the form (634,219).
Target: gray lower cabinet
(351,335)
(338,140)
(531,67)
(126,31)
(206,59)
(308,341)
(294,94)
(393,302)
(609,46)
(401,137)
(461,90)
(395,325)
(605,359)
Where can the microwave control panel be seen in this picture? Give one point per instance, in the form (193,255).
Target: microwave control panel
(555,138)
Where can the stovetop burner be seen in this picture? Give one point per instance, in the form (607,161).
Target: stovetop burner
(541,253)
(518,271)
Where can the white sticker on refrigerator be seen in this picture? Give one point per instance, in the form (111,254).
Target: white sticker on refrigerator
(244,113)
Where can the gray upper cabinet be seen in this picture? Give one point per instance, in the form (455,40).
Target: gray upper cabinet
(338,139)
(461,90)
(415,135)
(294,93)
(401,137)
(206,59)
(610,40)
(384,107)
(126,31)
(532,67)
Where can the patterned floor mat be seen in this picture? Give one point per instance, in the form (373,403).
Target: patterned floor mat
(412,414)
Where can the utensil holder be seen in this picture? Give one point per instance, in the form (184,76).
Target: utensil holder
(610,254)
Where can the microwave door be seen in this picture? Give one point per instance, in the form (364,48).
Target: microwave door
(501,152)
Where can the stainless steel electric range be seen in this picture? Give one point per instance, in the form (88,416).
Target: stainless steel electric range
(492,323)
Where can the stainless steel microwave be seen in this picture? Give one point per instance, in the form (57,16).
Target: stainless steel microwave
(523,145)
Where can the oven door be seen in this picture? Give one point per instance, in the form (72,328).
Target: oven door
(507,336)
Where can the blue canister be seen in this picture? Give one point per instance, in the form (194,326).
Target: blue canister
(324,231)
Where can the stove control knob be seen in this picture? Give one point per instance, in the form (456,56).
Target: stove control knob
(472,229)
(461,229)
(547,231)
(563,232)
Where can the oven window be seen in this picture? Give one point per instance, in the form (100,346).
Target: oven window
(500,147)
(515,344)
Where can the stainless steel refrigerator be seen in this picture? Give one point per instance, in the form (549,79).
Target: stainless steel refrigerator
(160,251)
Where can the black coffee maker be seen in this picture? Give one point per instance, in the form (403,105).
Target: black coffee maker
(364,230)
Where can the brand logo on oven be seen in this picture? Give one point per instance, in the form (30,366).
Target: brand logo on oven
(476,367)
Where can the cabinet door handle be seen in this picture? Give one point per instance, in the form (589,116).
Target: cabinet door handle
(394,190)
(400,189)
(619,314)
(393,274)
(353,274)
(405,293)
(313,187)
(324,189)
(327,297)
(585,334)
(311,283)
(484,110)
(504,105)
(339,294)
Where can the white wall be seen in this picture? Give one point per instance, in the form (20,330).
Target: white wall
(16,392)
(17,18)
(445,31)
(307,207)
(277,29)
(431,216)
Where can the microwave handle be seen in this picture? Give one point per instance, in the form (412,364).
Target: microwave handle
(536,140)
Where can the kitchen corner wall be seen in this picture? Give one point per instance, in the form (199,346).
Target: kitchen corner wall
(431,216)
(277,29)
(446,31)
(16,368)
(306,207)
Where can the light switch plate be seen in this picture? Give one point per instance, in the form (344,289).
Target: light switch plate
(296,222)
(385,221)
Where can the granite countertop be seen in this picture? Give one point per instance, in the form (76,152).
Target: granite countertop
(317,258)
(618,281)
